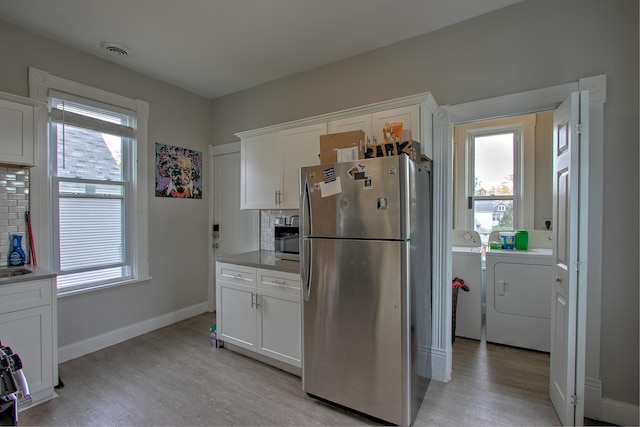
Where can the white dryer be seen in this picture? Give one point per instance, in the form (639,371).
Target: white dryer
(467,265)
(518,293)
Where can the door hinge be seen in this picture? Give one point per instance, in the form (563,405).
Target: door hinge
(574,400)
(579,128)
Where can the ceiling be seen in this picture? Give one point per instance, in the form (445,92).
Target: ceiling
(216,47)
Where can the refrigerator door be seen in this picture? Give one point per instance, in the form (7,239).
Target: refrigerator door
(355,334)
(367,199)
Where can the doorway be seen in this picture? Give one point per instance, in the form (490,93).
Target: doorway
(502,173)
(520,103)
(231,230)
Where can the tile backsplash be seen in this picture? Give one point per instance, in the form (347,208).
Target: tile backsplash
(269,218)
(14,202)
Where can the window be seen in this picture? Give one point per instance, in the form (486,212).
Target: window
(493,184)
(96,186)
(492,177)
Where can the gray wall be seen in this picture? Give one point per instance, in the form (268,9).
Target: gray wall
(530,45)
(178,241)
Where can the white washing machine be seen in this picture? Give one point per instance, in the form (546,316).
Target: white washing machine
(518,294)
(467,265)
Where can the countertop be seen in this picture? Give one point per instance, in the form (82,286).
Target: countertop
(36,273)
(261,259)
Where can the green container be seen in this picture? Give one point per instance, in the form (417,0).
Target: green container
(522,240)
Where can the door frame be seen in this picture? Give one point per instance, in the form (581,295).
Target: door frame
(215,150)
(591,166)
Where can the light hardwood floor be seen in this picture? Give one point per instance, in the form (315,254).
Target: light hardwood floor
(173,377)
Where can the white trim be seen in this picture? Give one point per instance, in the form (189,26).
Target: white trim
(504,106)
(116,336)
(620,413)
(67,293)
(422,98)
(215,150)
(593,393)
(441,240)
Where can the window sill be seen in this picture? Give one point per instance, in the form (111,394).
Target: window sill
(70,292)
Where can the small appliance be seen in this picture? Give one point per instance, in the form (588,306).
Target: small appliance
(286,242)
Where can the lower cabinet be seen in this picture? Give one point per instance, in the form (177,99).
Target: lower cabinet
(28,326)
(259,310)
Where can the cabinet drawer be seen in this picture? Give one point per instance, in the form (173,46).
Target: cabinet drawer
(279,281)
(237,274)
(18,296)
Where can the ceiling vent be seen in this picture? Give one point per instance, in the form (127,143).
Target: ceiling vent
(115,49)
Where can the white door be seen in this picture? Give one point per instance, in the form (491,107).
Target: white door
(568,324)
(238,230)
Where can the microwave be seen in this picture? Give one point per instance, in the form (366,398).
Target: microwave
(286,242)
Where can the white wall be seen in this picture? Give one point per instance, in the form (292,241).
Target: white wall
(530,45)
(178,245)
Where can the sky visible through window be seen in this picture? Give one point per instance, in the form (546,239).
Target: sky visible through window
(493,162)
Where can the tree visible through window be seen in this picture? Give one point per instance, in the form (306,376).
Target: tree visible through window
(492,175)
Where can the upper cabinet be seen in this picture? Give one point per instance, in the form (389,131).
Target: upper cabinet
(271,157)
(372,124)
(18,130)
(270,163)
(300,147)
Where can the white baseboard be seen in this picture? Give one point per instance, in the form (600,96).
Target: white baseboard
(593,398)
(439,365)
(611,411)
(621,413)
(116,336)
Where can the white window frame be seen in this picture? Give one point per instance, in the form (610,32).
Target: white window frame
(524,168)
(40,85)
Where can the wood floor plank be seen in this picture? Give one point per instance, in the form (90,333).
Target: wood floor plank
(173,377)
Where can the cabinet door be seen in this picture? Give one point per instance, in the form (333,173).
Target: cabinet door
(409,116)
(28,333)
(362,123)
(235,304)
(279,327)
(261,171)
(300,147)
(279,320)
(16,133)
(237,315)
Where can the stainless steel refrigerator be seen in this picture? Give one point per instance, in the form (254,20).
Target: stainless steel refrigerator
(365,230)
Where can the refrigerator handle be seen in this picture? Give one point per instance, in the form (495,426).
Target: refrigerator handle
(305,225)
(305,270)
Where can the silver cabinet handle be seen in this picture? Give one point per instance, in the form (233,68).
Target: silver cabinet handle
(257,304)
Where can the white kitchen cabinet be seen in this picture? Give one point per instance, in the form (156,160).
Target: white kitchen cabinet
(348,124)
(261,171)
(300,147)
(235,304)
(259,310)
(18,130)
(279,321)
(372,124)
(28,325)
(270,163)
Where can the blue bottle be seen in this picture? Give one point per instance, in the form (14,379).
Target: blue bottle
(16,254)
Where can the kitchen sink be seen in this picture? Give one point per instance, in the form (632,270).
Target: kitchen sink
(12,272)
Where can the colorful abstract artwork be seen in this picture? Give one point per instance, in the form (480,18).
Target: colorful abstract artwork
(178,172)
